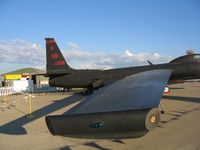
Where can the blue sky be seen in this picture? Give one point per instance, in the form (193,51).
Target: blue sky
(114,29)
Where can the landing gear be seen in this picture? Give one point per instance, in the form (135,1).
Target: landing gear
(162,110)
(95,85)
(89,90)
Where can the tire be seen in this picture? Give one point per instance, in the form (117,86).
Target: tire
(152,119)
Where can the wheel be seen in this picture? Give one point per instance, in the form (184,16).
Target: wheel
(152,119)
(88,91)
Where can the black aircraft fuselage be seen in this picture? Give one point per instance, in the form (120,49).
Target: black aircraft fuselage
(120,110)
(85,78)
(62,75)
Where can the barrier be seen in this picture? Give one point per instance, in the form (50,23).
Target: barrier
(27,98)
(30,116)
(28,95)
(7,91)
(9,105)
(42,89)
(32,89)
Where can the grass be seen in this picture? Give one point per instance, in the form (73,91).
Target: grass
(26,70)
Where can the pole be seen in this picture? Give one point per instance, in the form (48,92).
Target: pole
(5,101)
(30,116)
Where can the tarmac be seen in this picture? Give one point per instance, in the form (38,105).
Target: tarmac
(179,128)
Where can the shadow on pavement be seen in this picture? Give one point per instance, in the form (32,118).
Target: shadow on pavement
(65,148)
(180,98)
(176,88)
(15,127)
(93,144)
(175,115)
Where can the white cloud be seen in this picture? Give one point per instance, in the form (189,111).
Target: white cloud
(95,66)
(42,67)
(128,53)
(22,52)
(73,45)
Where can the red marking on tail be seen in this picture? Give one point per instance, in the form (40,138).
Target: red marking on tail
(52,48)
(50,41)
(59,63)
(54,56)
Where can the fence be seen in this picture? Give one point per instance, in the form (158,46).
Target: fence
(7,91)
(32,89)
(41,88)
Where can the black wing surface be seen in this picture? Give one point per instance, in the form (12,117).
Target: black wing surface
(124,109)
(138,91)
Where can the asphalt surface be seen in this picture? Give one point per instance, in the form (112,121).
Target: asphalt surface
(179,128)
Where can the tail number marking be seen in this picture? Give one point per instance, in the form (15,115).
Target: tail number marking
(54,56)
(52,48)
(59,63)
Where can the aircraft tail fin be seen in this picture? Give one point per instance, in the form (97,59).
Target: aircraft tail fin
(56,63)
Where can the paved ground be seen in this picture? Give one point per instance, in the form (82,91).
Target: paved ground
(179,128)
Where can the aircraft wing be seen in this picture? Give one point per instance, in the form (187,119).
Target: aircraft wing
(123,109)
(138,91)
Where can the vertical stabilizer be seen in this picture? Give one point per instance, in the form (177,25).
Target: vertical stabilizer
(56,63)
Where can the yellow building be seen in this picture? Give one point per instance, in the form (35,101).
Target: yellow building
(12,76)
